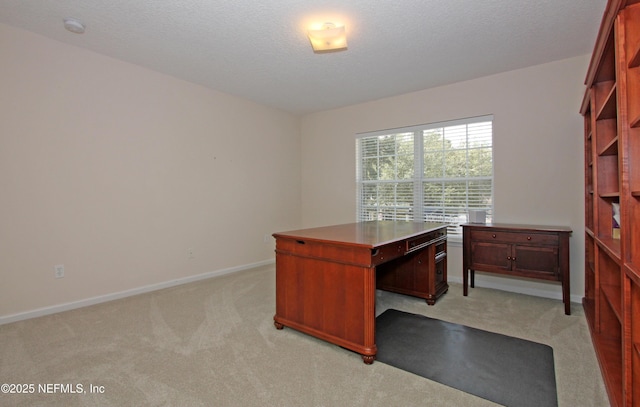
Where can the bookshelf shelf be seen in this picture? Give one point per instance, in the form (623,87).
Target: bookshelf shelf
(610,246)
(612,295)
(634,62)
(608,109)
(611,148)
(633,273)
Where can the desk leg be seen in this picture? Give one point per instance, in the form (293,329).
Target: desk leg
(566,295)
(564,270)
(466,256)
(465,282)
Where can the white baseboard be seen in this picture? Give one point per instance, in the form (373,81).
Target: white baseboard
(553,292)
(127,293)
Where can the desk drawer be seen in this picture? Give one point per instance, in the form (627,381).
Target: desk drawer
(387,252)
(345,254)
(535,238)
(419,242)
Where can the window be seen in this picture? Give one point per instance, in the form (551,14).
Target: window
(434,172)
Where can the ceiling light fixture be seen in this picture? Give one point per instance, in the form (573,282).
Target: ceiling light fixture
(328,38)
(73,25)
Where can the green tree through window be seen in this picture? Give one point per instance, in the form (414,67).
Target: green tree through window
(432,172)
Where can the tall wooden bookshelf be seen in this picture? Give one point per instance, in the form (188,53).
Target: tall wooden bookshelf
(611,110)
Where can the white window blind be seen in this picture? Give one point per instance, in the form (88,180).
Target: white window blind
(434,172)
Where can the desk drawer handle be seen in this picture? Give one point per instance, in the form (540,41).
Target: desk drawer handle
(412,247)
(300,241)
(440,256)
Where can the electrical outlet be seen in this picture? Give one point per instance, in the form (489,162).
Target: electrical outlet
(190,253)
(266,238)
(58,271)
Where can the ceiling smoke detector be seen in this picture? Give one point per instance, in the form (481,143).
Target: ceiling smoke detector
(73,25)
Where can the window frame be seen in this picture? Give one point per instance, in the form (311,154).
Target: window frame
(417,208)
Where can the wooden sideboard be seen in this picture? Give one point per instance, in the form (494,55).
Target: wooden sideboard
(326,277)
(540,252)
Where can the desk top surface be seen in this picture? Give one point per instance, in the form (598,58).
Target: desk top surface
(370,234)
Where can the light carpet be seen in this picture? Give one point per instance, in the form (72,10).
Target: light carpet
(213,343)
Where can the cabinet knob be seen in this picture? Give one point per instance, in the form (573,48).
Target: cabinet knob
(508,257)
(493,235)
(528,237)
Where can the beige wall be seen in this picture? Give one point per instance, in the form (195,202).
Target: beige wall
(538,158)
(115,171)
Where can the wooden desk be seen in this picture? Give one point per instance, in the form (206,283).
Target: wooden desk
(326,277)
(540,252)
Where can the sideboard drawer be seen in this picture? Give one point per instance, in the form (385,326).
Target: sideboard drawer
(515,237)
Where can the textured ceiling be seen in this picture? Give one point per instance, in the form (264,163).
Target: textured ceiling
(259,50)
